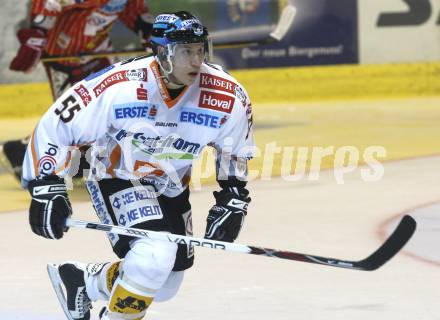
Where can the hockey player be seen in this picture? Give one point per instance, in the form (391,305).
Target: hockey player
(148,118)
(70,27)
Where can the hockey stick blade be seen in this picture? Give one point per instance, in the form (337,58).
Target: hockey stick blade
(286,21)
(395,242)
(386,251)
(392,245)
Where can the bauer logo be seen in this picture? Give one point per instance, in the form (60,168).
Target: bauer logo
(210,81)
(165,124)
(216,101)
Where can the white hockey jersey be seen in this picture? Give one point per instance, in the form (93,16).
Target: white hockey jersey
(138,131)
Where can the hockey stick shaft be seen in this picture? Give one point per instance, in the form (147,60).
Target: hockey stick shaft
(99,54)
(140,51)
(135,52)
(392,245)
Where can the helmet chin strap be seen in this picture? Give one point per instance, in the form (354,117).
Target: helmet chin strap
(167,72)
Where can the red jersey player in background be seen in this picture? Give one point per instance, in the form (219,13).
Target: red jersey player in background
(69,28)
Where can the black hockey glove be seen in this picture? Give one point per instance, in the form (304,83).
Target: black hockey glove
(50,207)
(227,216)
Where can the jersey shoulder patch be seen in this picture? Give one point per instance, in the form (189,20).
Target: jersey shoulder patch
(216,82)
(216,101)
(140,74)
(217,91)
(241,95)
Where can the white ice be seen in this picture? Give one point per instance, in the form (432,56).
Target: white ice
(318,217)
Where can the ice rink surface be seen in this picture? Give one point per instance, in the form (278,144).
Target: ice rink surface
(347,221)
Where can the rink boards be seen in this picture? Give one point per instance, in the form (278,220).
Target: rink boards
(279,85)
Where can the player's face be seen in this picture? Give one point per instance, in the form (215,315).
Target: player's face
(187,60)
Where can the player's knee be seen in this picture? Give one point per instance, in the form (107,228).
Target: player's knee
(170,287)
(149,263)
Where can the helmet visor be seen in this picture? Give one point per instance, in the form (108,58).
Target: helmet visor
(188,54)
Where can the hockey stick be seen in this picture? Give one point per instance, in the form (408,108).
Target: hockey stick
(141,51)
(132,52)
(255,35)
(100,54)
(389,248)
